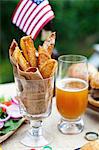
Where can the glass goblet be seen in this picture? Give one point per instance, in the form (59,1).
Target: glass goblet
(35,102)
(71,92)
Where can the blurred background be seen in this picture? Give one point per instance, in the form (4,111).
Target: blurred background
(76,24)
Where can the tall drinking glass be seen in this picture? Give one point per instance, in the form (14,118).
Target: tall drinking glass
(35,99)
(71,92)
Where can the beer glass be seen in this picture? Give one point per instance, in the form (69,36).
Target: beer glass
(71,92)
(35,101)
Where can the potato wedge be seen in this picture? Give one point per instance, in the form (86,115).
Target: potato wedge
(41,49)
(48,68)
(11,50)
(12,47)
(49,43)
(23,46)
(19,58)
(42,58)
(29,50)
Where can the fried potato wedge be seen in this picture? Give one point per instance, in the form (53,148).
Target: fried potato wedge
(19,58)
(31,53)
(49,43)
(23,46)
(12,47)
(48,68)
(41,49)
(42,58)
(29,50)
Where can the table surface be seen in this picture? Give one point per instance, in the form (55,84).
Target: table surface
(60,142)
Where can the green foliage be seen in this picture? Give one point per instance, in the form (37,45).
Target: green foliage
(76,24)
(10,125)
(6,73)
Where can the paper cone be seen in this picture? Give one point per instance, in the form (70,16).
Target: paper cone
(31,73)
(36,95)
(36,103)
(11,50)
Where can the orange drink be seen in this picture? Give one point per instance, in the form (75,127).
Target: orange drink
(71,97)
(71,92)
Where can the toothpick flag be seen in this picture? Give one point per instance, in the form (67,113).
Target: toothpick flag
(32,15)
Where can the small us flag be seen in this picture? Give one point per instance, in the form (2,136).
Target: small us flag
(32,15)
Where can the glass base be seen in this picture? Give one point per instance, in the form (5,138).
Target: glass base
(71,127)
(33,141)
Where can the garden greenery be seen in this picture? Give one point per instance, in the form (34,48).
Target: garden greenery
(76,24)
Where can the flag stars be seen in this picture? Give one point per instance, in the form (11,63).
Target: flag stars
(38,1)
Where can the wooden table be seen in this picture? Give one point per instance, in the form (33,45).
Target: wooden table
(60,142)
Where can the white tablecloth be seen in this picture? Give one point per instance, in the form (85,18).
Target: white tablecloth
(60,142)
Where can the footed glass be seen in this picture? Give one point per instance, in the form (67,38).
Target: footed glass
(71,92)
(35,99)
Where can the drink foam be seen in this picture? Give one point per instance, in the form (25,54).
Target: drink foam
(67,84)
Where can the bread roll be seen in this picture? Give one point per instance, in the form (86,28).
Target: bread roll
(92,145)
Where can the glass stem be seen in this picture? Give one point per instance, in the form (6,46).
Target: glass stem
(36,127)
